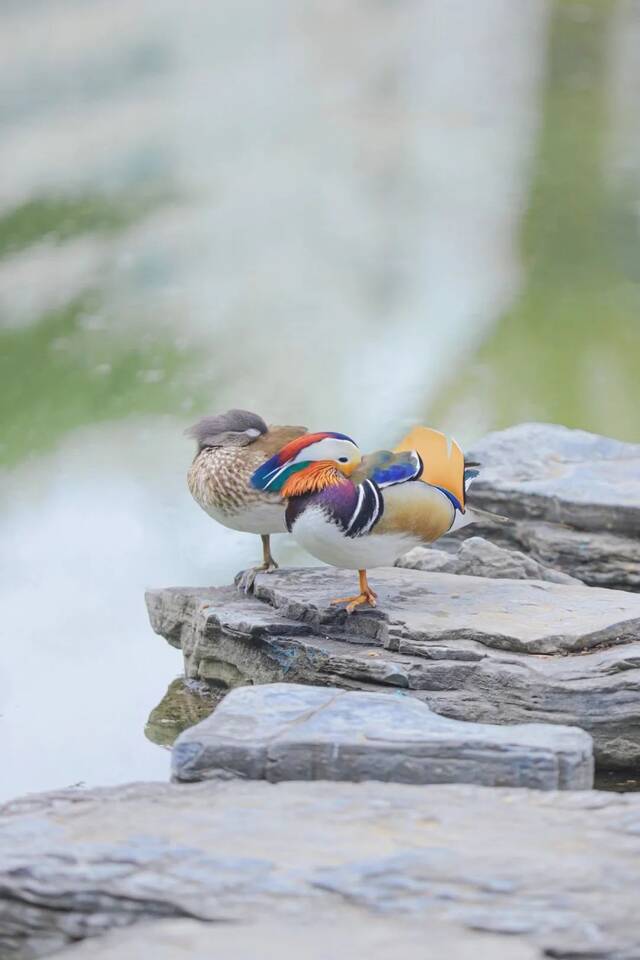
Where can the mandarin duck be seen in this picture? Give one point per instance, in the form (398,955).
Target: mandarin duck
(230,448)
(360,512)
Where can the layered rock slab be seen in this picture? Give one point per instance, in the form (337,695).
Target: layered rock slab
(477,557)
(557,871)
(494,651)
(574,496)
(285,731)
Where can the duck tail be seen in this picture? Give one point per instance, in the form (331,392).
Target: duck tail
(486,516)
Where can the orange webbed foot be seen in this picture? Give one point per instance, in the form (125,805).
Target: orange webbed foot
(353,602)
(366,595)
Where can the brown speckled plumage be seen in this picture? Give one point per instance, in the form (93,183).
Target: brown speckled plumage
(219,477)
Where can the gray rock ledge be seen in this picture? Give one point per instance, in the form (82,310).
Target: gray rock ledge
(500,871)
(483,650)
(575,497)
(285,731)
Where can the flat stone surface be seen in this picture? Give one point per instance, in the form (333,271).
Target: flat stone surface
(544,475)
(556,473)
(288,731)
(519,615)
(477,557)
(553,871)
(339,933)
(484,650)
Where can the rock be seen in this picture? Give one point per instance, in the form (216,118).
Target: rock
(285,731)
(545,475)
(340,933)
(476,649)
(552,871)
(477,557)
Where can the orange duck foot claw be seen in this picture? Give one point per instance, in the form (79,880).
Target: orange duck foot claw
(367,596)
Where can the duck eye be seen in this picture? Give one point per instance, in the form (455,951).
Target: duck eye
(343,460)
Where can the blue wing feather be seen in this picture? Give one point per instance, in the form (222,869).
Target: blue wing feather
(394,473)
(386,468)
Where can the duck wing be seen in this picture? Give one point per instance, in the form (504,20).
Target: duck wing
(386,468)
(388,501)
(275,439)
(443,462)
(421,483)
(446,469)
(422,486)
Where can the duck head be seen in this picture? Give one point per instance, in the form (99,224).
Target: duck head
(307,464)
(235,428)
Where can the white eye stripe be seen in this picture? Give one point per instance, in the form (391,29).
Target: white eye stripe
(329,448)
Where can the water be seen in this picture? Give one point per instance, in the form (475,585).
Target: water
(351,218)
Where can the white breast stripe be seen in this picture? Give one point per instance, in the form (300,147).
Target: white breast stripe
(376,512)
(357,509)
(365,512)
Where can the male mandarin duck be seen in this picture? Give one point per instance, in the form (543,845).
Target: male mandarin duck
(231,447)
(360,512)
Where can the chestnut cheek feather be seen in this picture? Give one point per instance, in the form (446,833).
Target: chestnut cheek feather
(318,476)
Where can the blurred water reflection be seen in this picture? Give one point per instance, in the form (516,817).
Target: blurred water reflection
(351,217)
(568,349)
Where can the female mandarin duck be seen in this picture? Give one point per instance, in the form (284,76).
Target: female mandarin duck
(359,512)
(231,446)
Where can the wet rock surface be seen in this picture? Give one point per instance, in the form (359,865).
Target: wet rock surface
(483,650)
(574,496)
(555,873)
(287,731)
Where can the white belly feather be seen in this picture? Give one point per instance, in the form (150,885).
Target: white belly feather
(325,540)
(256,517)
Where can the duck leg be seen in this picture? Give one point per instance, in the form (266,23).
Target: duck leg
(268,563)
(247,577)
(366,595)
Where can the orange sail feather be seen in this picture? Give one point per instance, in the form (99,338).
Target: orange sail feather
(443,460)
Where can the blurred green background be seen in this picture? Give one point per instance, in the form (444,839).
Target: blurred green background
(567,350)
(564,348)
